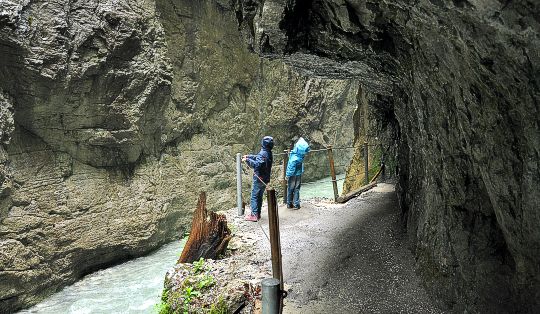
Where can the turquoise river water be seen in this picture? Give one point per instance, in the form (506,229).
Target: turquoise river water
(135,286)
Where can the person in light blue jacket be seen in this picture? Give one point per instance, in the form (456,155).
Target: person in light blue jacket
(295,168)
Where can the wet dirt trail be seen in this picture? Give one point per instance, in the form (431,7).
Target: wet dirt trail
(349,258)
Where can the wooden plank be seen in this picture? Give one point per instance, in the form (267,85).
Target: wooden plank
(345,198)
(377,175)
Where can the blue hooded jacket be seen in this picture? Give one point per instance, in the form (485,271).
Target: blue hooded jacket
(262,162)
(295,166)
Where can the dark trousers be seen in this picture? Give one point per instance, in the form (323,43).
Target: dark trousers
(293,190)
(257,194)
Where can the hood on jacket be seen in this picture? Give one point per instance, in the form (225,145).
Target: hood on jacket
(267,142)
(301,147)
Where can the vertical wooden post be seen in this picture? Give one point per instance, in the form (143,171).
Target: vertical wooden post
(366,163)
(275,243)
(382,165)
(333,172)
(239,184)
(284,184)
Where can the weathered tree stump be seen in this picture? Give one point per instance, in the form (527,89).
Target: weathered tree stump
(209,234)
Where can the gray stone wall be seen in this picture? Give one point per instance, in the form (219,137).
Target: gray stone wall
(115,114)
(454,86)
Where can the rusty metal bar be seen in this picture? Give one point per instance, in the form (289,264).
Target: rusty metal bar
(275,243)
(318,150)
(270,296)
(333,171)
(366,164)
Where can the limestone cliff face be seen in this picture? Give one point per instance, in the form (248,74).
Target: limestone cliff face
(114,114)
(456,85)
(6,128)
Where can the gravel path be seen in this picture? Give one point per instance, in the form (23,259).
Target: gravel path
(347,258)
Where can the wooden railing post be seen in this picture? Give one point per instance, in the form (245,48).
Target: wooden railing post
(275,243)
(284,184)
(366,163)
(383,175)
(239,184)
(333,172)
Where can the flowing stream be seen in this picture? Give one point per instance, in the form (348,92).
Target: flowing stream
(135,286)
(132,287)
(321,188)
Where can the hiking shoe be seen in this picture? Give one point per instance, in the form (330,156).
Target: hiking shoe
(289,206)
(297,206)
(251,217)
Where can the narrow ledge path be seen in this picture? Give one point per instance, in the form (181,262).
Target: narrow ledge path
(347,258)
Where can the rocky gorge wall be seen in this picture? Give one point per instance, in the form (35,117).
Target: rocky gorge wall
(455,88)
(114,114)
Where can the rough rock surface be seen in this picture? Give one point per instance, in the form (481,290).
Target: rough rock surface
(115,114)
(6,128)
(371,127)
(459,87)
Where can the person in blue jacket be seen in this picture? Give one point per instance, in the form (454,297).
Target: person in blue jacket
(295,168)
(262,166)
